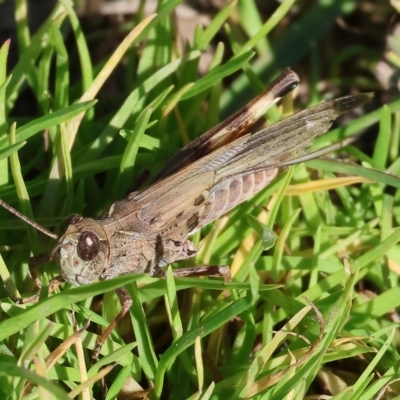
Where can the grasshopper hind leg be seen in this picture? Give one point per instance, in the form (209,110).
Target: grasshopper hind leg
(221,271)
(174,250)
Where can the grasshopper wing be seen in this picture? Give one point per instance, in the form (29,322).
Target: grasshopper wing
(216,183)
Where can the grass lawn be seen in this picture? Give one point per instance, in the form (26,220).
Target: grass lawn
(311,310)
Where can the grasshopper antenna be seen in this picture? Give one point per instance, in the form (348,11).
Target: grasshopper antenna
(24,218)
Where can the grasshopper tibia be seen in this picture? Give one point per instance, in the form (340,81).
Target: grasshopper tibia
(126,304)
(222,271)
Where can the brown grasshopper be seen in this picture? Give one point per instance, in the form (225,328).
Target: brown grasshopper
(149,228)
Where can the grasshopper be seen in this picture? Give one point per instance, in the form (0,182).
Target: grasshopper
(149,228)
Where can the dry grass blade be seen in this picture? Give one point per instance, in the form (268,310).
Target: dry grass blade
(89,383)
(268,381)
(57,353)
(105,72)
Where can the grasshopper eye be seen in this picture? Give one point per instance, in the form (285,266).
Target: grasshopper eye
(70,220)
(88,245)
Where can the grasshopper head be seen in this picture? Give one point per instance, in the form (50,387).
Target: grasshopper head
(83,251)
